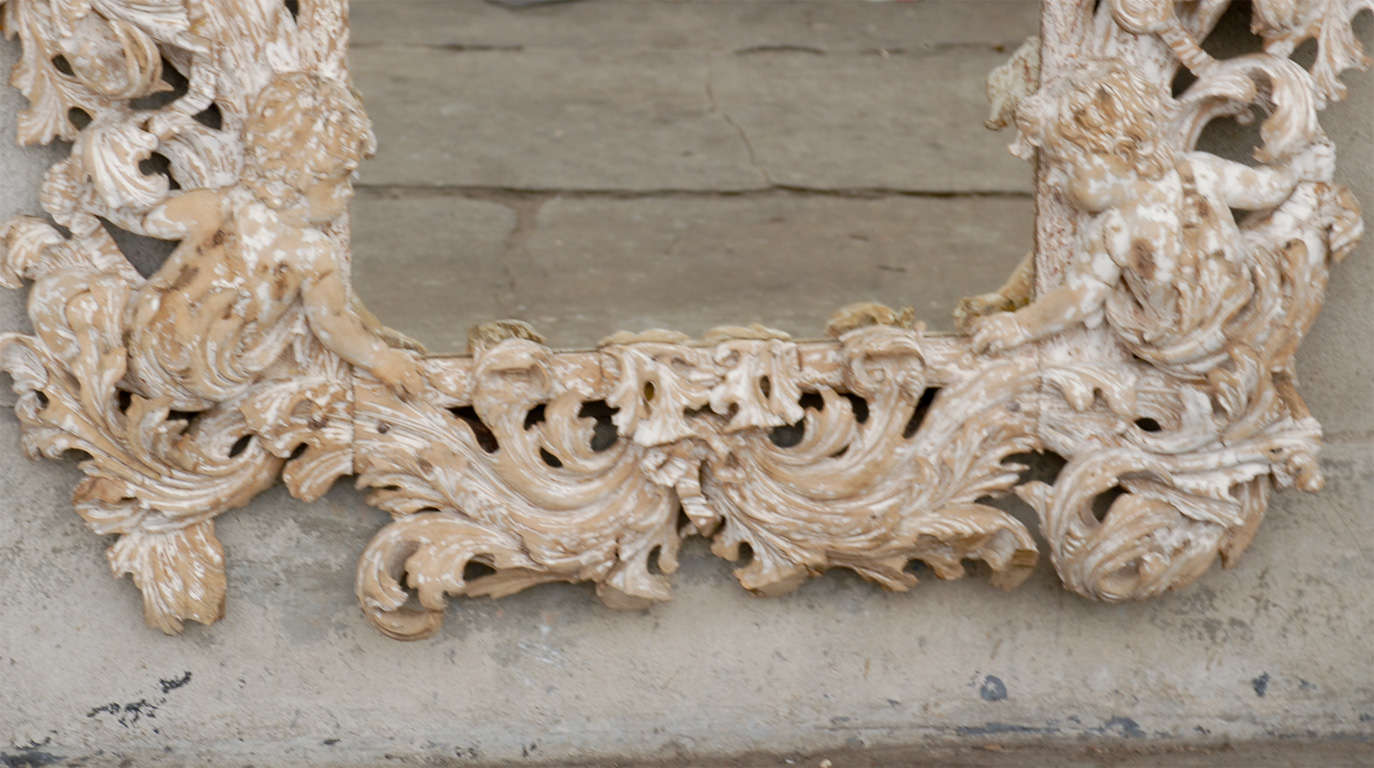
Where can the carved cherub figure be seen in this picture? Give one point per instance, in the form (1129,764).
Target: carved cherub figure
(1163,260)
(256,267)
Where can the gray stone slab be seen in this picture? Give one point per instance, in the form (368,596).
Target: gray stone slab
(903,122)
(433,266)
(591,267)
(582,268)
(702,25)
(686,96)
(1336,362)
(1275,649)
(552,120)
(21,171)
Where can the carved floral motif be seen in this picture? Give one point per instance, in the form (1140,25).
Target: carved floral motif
(1156,356)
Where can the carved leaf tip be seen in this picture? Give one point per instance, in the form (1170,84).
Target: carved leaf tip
(179,572)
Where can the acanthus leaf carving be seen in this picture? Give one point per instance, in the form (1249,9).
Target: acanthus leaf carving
(1210,306)
(1156,356)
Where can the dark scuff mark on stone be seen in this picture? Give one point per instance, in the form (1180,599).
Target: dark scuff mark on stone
(30,755)
(128,714)
(104,709)
(135,711)
(173,683)
(993,689)
(1261,685)
(996,729)
(1124,726)
(28,758)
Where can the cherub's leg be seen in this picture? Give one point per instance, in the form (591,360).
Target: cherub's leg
(336,321)
(391,336)
(1014,294)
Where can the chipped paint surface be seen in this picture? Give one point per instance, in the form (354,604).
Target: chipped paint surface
(1156,357)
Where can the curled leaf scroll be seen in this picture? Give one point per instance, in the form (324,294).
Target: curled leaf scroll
(1151,345)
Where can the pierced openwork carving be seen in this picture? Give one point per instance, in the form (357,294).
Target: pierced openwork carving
(1148,339)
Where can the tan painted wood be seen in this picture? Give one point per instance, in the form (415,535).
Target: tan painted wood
(1157,358)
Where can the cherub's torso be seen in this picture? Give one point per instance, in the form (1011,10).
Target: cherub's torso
(233,283)
(1175,231)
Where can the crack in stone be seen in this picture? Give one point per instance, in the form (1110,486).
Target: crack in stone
(754,50)
(744,137)
(526,222)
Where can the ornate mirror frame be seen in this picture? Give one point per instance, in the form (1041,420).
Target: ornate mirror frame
(1148,339)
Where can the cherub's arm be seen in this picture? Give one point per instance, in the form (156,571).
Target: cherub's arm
(335,320)
(192,217)
(1258,188)
(189,215)
(1084,290)
(1249,188)
(1015,293)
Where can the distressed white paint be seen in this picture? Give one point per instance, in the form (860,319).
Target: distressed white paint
(1157,358)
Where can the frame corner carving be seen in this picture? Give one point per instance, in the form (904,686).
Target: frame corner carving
(1148,339)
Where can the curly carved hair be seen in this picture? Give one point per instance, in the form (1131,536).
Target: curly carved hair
(303,128)
(1103,109)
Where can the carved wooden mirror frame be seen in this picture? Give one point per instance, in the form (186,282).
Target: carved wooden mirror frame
(1148,340)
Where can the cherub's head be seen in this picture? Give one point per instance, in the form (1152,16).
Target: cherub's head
(1102,111)
(304,131)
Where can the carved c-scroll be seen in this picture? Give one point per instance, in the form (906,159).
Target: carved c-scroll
(1156,355)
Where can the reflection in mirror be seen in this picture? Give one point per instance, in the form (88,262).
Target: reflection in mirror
(609,165)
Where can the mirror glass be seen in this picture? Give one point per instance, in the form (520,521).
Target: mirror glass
(603,165)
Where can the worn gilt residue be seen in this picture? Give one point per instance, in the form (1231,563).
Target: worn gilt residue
(1156,358)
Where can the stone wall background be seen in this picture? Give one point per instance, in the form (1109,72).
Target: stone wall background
(817,145)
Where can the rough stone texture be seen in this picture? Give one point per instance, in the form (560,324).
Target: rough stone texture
(21,169)
(556,111)
(407,283)
(694,264)
(1268,663)
(634,109)
(701,25)
(1268,650)
(579,268)
(1337,360)
(805,94)
(826,122)
(681,120)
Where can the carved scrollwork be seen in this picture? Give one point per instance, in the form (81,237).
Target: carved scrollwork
(1210,305)
(1149,341)
(573,467)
